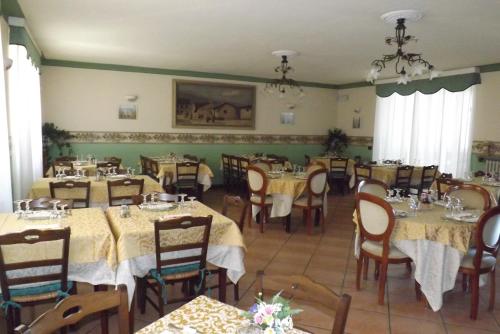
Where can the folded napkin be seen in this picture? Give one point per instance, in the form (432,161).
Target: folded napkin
(169,217)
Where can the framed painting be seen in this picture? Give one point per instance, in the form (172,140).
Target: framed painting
(201,104)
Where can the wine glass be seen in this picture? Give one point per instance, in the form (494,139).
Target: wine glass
(182,204)
(398,194)
(413,205)
(144,198)
(390,193)
(27,208)
(191,201)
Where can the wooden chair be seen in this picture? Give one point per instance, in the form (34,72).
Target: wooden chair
(444,181)
(61,315)
(108,164)
(128,183)
(46,286)
(300,288)
(192,158)
(144,165)
(257,187)
(362,172)
(234,202)
(234,170)
(427,179)
(187,178)
(482,259)
(63,164)
(376,221)
(189,269)
(113,159)
(313,200)
(154,170)
(472,196)
(242,185)
(307,160)
(403,178)
(338,173)
(226,172)
(374,187)
(65,158)
(76,188)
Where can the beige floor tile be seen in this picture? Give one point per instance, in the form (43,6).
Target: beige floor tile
(403,325)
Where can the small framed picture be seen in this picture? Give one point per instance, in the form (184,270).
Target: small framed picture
(127,111)
(287,118)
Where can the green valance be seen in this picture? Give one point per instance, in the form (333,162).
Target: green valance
(19,36)
(454,83)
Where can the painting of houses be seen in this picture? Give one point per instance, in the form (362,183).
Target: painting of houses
(213,105)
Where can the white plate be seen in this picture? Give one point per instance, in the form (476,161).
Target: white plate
(38,215)
(118,176)
(400,213)
(463,217)
(158,207)
(393,200)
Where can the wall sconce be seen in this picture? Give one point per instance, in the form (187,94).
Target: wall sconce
(131,98)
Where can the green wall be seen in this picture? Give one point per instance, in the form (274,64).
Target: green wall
(212,152)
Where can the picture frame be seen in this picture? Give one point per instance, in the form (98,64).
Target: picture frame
(127,111)
(213,105)
(287,118)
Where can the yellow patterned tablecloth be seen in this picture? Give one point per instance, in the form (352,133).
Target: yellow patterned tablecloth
(91,238)
(205,315)
(287,185)
(88,168)
(135,235)
(98,189)
(430,225)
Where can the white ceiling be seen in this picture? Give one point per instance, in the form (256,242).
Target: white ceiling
(337,39)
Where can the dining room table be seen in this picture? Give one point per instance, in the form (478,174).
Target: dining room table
(136,244)
(98,188)
(434,240)
(285,188)
(387,174)
(87,167)
(203,315)
(92,247)
(167,167)
(326,161)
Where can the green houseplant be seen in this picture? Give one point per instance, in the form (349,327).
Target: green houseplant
(52,135)
(336,141)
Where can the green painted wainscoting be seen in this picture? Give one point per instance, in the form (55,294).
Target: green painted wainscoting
(130,152)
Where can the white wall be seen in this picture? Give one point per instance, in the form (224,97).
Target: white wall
(88,100)
(486,119)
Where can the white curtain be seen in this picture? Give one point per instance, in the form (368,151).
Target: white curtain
(424,129)
(5,176)
(25,122)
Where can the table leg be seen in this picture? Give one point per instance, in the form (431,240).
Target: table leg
(222,284)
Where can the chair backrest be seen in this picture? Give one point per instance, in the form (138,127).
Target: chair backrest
(65,158)
(307,159)
(479,173)
(28,239)
(78,192)
(257,182)
(61,165)
(238,203)
(374,187)
(154,169)
(244,163)
(234,164)
(123,190)
(226,164)
(472,196)
(187,174)
(444,182)
(113,159)
(428,177)
(108,164)
(262,164)
(194,248)
(144,165)
(362,172)
(316,185)
(338,167)
(315,165)
(375,219)
(487,235)
(403,176)
(63,314)
(191,157)
(300,288)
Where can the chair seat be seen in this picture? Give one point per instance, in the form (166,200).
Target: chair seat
(255,199)
(176,272)
(375,248)
(302,201)
(487,261)
(37,293)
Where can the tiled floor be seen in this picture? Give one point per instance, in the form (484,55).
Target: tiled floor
(328,258)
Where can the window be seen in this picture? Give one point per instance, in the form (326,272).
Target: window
(424,129)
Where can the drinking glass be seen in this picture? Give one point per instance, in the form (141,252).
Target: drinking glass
(144,198)
(398,194)
(182,204)
(27,208)
(191,201)
(413,205)
(18,205)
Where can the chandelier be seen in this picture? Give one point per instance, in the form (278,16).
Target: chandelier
(406,64)
(284,84)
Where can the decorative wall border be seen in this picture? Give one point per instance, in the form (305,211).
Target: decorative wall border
(486,148)
(92,137)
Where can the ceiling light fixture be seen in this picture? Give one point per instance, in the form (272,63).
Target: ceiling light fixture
(407,64)
(284,84)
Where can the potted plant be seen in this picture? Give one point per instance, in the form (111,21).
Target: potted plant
(336,142)
(52,135)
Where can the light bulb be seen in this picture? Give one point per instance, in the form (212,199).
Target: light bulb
(418,69)
(403,78)
(434,74)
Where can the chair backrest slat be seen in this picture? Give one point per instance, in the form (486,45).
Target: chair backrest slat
(375,218)
(403,176)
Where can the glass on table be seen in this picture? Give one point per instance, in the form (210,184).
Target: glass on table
(182,203)
(413,204)
(144,198)
(191,201)
(18,203)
